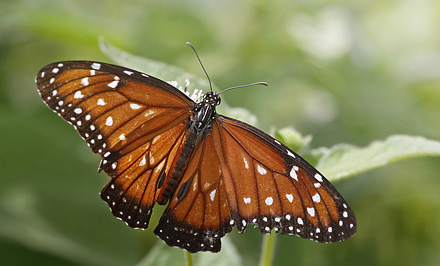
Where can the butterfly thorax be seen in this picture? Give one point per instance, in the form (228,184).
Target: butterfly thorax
(204,112)
(200,123)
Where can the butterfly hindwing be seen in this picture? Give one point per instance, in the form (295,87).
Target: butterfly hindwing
(198,214)
(132,193)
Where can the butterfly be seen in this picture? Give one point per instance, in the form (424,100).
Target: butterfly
(160,146)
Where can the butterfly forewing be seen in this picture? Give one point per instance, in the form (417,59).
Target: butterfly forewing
(273,187)
(106,103)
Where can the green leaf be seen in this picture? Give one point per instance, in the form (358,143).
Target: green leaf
(161,254)
(22,224)
(345,160)
(155,68)
(49,200)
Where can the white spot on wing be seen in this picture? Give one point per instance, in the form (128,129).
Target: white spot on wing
(101,102)
(311,211)
(289,197)
(246,164)
(212,194)
(293,173)
(149,112)
(85,81)
(96,66)
(113,84)
(122,137)
(143,162)
(300,221)
(109,121)
(55,70)
(134,106)
(78,95)
(290,154)
(316,198)
(128,72)
(261,170)
(318,177)
(269,201)
(247,200)
(78,111)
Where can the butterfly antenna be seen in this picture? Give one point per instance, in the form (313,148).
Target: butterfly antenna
(242,86)
(200,61)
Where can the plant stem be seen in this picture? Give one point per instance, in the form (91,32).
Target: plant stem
(267,249)
(189,261)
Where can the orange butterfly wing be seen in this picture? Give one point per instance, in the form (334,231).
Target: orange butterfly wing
(198,215)
(269,185)
(134,121)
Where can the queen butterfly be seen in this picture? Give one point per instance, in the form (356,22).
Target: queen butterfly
(215,172)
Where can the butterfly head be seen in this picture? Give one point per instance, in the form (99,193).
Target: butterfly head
(211,99)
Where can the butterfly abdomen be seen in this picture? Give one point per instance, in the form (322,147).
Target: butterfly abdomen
(179,168)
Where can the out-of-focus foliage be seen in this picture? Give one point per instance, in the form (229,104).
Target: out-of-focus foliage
(344,72)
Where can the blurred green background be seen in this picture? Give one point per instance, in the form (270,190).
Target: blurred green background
(342,71)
